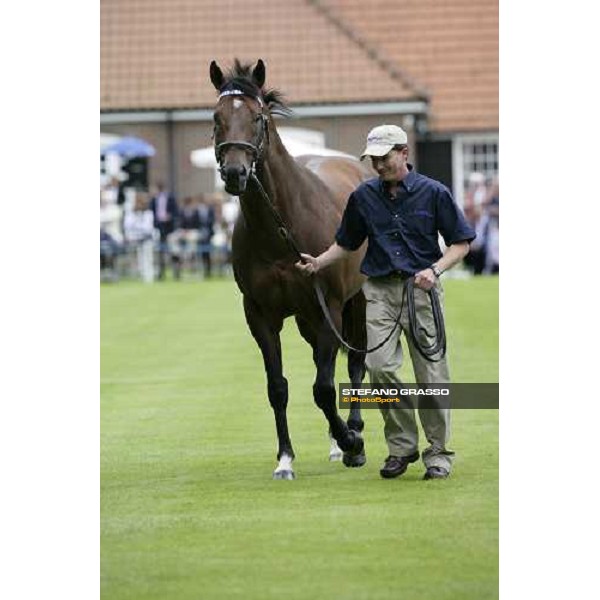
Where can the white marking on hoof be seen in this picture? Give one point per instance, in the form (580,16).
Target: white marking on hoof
(284,475)
(335,452)
(284,468)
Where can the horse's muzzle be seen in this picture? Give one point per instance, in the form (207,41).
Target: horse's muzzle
(235,178)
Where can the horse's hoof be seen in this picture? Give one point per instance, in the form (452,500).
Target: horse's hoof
(358,444)
(354,460)
(284,474)
(335,455)
(334,451)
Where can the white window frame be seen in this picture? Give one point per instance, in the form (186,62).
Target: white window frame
(459,172)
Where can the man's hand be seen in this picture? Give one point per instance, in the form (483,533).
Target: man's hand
(425,279)
(308,265)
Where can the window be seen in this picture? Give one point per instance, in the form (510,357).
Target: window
(470,154)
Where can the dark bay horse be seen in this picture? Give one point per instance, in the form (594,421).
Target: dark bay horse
(309,195)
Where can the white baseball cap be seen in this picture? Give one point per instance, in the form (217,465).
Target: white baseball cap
(382,139)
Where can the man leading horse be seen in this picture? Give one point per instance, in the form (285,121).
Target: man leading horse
(401,213)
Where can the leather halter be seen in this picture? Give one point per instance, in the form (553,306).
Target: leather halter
(263,135)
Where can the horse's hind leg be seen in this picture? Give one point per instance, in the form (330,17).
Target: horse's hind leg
(356,333)
(266,333)
(324,391)
(356,370)
(309,334)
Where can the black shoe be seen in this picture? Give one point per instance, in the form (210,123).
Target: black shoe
(436,473)
(396,465)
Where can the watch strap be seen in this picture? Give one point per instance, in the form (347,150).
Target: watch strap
(436,270)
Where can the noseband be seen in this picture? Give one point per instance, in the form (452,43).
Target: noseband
(263,134)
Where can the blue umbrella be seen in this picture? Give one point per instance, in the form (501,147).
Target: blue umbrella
(130,147)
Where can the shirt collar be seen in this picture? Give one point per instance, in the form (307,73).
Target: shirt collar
(408,182)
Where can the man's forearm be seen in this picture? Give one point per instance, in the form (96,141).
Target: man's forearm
(453,254)
(331,255)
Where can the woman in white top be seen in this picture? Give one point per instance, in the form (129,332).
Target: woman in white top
(139,231)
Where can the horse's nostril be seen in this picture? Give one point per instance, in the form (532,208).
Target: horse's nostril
(234,172)
(235,177)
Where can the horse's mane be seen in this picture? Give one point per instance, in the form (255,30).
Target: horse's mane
(239,77)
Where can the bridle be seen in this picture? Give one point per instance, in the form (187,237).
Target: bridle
(255,149)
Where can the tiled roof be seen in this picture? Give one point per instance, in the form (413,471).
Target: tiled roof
(449,46)
(155,53)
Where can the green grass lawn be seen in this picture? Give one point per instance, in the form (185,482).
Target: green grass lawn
(189,509)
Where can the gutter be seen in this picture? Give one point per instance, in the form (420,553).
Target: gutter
(319,110)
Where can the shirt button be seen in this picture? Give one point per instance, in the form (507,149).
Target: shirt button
(397,253)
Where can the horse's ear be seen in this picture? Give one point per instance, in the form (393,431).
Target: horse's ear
(216,75)
(258,74)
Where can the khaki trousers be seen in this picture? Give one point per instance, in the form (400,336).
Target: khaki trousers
(384,298)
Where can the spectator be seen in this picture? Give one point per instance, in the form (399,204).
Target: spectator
(183,243)
(139,232)
(111,237)
(114,192)
(475,197)
(230,211)
(492,230)
(164,209)
(206,214)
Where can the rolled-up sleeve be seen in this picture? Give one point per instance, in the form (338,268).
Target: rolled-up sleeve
(353,230)
(451,221)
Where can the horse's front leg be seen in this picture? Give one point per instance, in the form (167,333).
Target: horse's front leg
(325,395)
(266,333)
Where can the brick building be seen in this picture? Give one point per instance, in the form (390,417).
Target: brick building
(344,66)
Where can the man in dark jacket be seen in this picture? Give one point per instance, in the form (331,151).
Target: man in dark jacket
(164,208)
(401,213)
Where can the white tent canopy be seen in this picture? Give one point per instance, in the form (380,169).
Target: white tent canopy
(112,162)
(107,139)
(297,142)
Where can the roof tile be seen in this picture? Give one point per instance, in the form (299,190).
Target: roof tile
(450,46)
(155,53)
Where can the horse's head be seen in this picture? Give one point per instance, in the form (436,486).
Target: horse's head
(241,123)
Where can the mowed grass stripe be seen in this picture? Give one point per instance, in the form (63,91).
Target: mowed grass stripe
(188,446)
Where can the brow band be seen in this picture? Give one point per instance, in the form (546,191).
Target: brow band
(240,93)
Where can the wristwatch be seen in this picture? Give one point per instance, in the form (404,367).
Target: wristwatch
(436,270)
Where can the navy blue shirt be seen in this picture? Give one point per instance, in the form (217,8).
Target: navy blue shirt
(402,231)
